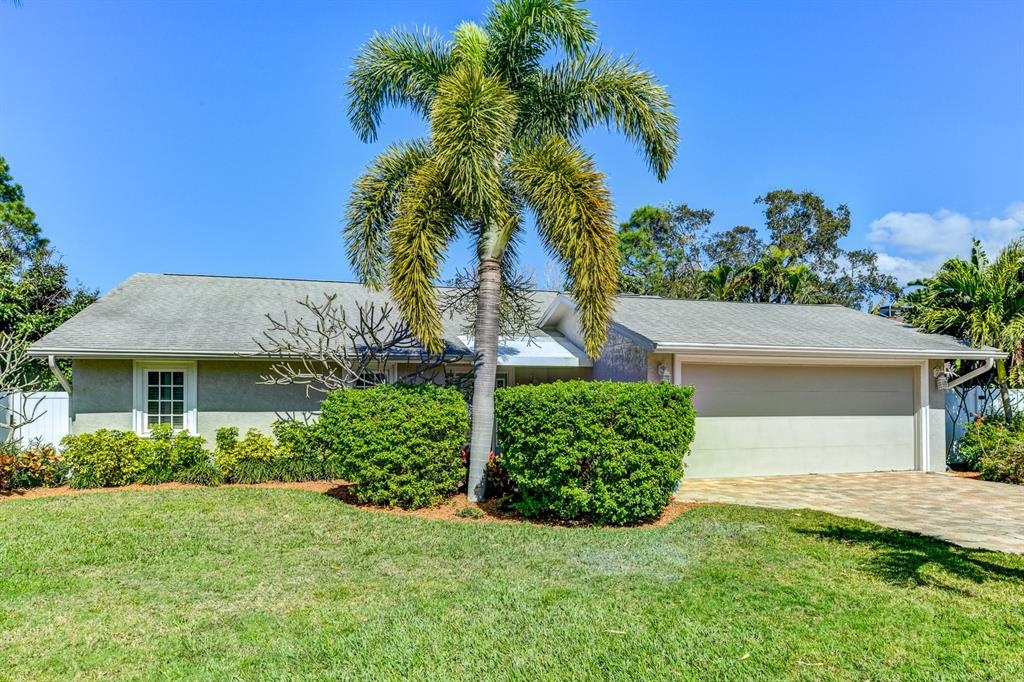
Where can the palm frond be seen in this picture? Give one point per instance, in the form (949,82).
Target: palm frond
(471,119)
(424,226)
(470,44)
(372,208)
(522,31)
(599,89)
(401,68)
(575,218)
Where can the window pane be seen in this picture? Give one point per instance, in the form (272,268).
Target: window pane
(152,419)
(153,407)
(153,379)
(165,378)
(177,422)
(154,393)
(179,393)
(179,378)
(177,407)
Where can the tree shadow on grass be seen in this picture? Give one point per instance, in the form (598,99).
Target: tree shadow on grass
(908,559)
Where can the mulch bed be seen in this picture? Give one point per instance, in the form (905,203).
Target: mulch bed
(341,490)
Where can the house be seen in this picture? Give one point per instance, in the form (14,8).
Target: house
(780,389)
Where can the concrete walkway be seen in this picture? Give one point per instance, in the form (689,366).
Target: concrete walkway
(966,512)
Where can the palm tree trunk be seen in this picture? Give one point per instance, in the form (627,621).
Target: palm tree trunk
(1004,390)
(486,348)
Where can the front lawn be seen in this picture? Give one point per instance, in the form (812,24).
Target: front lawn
(260,583)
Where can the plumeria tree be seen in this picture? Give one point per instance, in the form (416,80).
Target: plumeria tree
(504,123)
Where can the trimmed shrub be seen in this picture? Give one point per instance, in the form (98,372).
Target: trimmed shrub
(985,435)
(104,459)
(1004,463)
(595,451)
(400,445)
(110,458)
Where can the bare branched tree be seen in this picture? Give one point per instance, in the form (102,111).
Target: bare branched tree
(518,307)
(16,383)
(324,350)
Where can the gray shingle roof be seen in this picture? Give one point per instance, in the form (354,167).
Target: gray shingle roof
(197,315)
(204,315)
(718,326)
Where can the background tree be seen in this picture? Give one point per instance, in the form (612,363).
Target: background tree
(979,301)
(35,296)
(660,250)
(667,251)
(506,103)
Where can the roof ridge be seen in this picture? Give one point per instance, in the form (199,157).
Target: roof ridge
(290,279)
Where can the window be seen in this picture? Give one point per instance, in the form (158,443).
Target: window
(165,393)
(165,399)
(369,379)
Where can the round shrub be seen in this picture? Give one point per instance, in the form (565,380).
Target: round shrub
(399,444)
(596,451)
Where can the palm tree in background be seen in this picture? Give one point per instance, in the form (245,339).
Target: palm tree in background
(503,138)
(979,301)
(775,277)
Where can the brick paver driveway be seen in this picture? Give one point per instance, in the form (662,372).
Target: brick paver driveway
(967,512)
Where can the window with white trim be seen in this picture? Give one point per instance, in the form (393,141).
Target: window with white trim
(165,393)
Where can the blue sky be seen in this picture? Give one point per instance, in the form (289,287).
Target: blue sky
(212,137)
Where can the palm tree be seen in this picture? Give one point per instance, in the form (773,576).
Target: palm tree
(976,300)
(504,126)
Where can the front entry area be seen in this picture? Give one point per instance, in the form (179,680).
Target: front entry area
(774,420)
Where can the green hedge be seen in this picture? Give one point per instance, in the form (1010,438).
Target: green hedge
(399,444)
(602,452)
(109,458)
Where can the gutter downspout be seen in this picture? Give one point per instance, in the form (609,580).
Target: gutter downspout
(989,364)
(61,379)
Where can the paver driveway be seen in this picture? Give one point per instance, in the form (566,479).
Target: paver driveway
(967,512)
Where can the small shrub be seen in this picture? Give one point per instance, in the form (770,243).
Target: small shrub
(303,453)
(1004,463)
(167,454)
(249,460)
(603,452)
(105,458)
(399,444)
(38,465)
(470,513)
(985,435)
(201,473)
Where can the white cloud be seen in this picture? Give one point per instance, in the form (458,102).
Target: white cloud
(912,245)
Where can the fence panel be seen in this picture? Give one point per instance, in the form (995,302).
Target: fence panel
(50,409)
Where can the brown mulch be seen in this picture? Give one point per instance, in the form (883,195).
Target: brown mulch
(965,474)
(341,490)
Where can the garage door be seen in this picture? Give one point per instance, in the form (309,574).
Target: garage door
(772,420)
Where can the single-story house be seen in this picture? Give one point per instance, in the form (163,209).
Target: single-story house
(780,389)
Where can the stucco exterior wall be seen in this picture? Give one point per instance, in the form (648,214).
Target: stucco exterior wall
(101,396)
(227,394)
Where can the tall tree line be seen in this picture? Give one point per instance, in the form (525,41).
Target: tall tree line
(672,251)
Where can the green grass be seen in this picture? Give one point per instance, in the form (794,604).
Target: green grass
(257,583)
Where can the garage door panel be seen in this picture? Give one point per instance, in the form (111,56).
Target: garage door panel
(758,420)
(771,432)
(716,402)
(792,461)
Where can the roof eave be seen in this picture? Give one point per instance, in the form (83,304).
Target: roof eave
(798,351)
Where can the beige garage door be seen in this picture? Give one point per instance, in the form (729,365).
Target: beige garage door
(773,420)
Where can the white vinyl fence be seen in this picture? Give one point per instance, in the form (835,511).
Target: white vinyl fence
(50,409)
(964,407)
